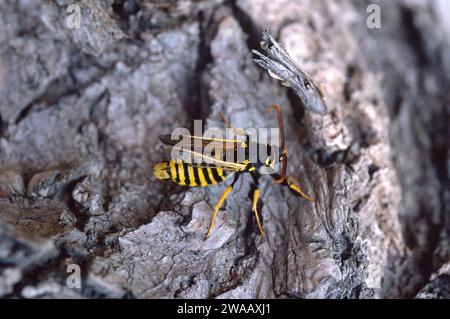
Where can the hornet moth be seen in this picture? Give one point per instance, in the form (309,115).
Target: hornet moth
(211,170)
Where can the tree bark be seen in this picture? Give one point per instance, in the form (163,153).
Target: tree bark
(81,111)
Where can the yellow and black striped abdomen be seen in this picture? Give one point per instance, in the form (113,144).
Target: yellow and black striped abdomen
(187,175)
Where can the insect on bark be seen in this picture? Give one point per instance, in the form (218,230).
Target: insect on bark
(212,170)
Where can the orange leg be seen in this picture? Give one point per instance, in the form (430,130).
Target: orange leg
(255,211)
(220,202)
(297,190)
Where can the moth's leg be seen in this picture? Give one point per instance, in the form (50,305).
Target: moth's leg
(255,196)
(220,202)
(290,182)
(227,122)
(225,119)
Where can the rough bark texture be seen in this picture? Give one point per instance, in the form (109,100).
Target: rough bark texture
(80,115)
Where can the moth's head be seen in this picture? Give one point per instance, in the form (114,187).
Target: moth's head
(269,162)
(275,157)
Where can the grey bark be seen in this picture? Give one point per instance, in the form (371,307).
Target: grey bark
(80,115)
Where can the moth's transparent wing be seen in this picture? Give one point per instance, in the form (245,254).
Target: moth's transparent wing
(198,159)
